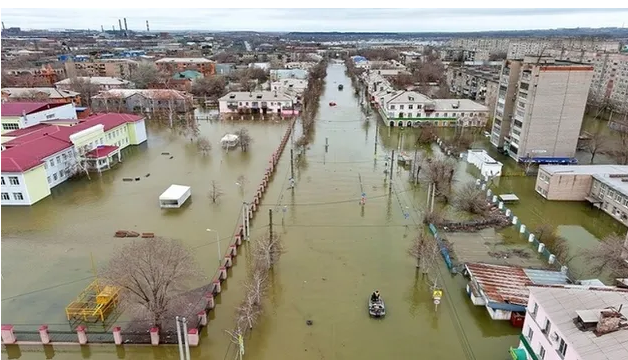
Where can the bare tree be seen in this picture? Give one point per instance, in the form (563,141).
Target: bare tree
(597,142)
(424,249)
(556,244)
(426,135)
(209,87)
(86,88)
(203,145)
(472,200)
(244,138)
(440,171)
(78,166)
(146,76)
(215,191)
(611,255)
(152,274)
(267,251)
(619,148)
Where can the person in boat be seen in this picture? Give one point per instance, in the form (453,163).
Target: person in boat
(375,297)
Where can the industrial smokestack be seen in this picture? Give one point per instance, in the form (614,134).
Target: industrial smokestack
(102,29)
(147,28)
(120,24)
(113,27)
(3,28)
(126,29)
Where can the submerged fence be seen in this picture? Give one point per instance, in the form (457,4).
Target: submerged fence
(147,334)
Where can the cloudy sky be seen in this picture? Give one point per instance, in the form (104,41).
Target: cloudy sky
(402,20)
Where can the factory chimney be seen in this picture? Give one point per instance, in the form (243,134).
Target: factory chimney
(3,28)
(102,29)
(147,28)
(120,24)
(126,29)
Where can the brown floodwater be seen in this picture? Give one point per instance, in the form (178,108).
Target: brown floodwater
(337,252)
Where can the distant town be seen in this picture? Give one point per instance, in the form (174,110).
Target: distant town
(470,180)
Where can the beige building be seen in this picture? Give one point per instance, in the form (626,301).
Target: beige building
(118,68)
(478,83)
(540,107)
(605,186)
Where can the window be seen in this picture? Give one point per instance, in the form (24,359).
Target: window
(542,352)
(58,159)
(61,174)
(518,123)
(54,176)
(547,328)
(419,106)
(400,107)
(52,162)
(5,196)
(13,180)
(562,347)
(535,308)
(611,193)
(18,196)
(3,181)
(530,334)
(10,126)
(48,178)
(410,107)
(392,107)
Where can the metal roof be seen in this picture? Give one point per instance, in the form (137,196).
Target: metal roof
(509,284)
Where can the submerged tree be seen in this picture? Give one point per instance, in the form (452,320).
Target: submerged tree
(244,139)
(472,199)
(203,145)
(556,244)
(440,171)
(152,274)
(611,255)
(215,192)
(424,249)
(595,144)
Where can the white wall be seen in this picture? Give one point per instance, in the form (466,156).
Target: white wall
(539,339)
(66,111)
(57,166)
(10,189)
(140,131)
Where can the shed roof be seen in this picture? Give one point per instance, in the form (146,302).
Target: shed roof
(174,192)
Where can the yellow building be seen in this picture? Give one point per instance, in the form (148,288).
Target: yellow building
(40,157)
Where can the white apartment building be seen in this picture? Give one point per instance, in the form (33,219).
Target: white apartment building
(575,322)
(20,115)
(258,102)
(540,107)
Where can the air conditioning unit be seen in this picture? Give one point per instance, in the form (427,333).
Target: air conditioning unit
(554,337)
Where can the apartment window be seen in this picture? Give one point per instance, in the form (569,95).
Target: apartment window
(562,348)
(410,107)
(13,180)
(535,308)
(18,196)
(400,107)
(46,165)
(518,124)
(547,328)
(54,176)
(530,334)
(58,159)
(3,181)
(437,114)
(61,174)
(49,180)
(392,107)
(611,193)
(65,156)
(419,106)
(52,162)
(5,196)
(445,115)
(542,352)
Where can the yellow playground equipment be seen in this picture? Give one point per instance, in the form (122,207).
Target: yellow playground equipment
(94,303)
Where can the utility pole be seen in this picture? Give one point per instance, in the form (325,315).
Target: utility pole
(429,190)
(392,165)
(433,196)
(292,163)
(186,339)
(376,132)
(270,222)
(181,356)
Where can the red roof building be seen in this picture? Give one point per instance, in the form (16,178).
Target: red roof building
(31,145)
(21,108)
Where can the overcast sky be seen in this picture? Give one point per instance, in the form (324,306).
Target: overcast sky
(401,20)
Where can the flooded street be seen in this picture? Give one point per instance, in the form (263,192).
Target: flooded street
(337,252)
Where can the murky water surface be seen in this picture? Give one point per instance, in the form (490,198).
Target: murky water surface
(337,251)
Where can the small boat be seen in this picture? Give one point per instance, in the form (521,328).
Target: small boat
(340,87)
(332,104)
(377,308)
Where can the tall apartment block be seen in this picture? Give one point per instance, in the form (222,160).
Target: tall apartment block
(540,107)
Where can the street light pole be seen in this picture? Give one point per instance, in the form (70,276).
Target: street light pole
(217,242)
(181,356)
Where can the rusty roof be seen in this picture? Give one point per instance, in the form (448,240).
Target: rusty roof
(509,284)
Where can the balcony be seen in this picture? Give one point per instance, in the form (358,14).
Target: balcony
(528,347)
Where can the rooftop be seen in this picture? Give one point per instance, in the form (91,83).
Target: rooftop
(49,92)
(19,108)
(509,284)
(584,169)
(561,305)
(616,181)
(101,151)
(148,93)
(99,80)
(183,60)
(187,74)
(174,192)
(462,105)
(31,146)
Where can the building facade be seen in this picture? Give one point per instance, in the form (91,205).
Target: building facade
(480,84)
(258,102)
(41,94)
(143,101)
(36,159)
(540,108)
(117,68)
(575,322)
(173,65)
(605,186)
(20,115)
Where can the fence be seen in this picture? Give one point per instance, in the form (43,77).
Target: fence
(444,251)
(148,335)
